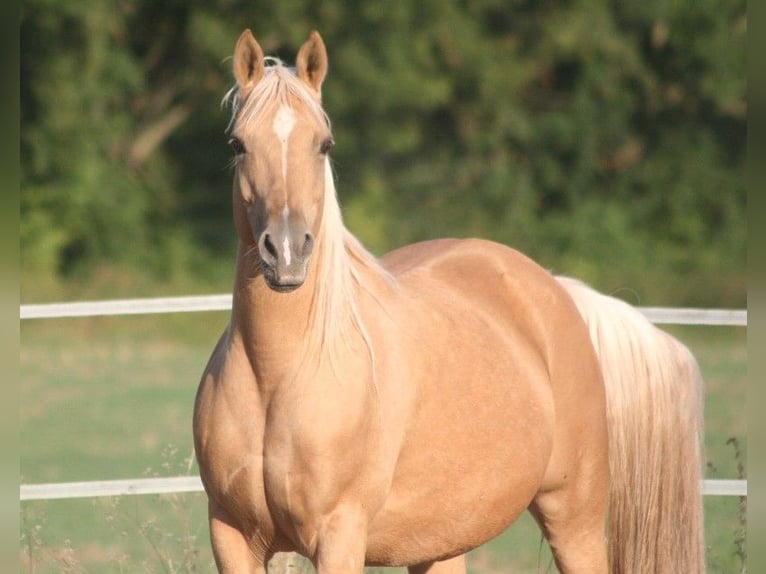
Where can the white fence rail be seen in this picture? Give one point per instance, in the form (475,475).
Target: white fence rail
(665,315)
(179,484)
(126,307)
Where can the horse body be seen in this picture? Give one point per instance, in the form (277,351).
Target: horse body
(392,412)
(450,437)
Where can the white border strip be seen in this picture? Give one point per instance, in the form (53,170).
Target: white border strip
(198,303)
(178,484)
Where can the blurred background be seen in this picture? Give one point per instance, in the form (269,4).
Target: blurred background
(604,139)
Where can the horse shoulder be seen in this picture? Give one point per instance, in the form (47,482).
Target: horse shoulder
(229,452)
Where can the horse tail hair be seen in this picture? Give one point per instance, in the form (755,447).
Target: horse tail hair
(654,413)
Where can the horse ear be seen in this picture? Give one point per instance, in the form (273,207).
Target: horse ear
(311,63)
(248,62)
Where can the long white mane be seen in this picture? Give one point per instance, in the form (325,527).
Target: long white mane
(340,257)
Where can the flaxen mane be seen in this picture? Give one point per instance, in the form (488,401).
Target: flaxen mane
(338,251)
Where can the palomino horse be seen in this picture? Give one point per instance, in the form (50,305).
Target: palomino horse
(403,411)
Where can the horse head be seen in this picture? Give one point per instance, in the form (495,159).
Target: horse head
(281,137)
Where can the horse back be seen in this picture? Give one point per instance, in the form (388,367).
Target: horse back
(483,278)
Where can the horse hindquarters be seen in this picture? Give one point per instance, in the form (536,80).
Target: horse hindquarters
(653,391)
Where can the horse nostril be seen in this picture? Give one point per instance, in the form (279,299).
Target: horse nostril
(308,244)
(268,246)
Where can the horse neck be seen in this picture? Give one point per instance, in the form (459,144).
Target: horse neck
(274,326)
(313,325)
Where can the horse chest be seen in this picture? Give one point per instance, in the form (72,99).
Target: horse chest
(232,468)
(228,429)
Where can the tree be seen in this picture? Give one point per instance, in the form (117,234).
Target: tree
(606,140)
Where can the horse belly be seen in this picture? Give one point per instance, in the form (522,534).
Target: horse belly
(470,466)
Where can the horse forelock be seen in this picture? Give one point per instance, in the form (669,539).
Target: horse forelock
(279,86)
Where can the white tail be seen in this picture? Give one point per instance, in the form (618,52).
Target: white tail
(654,412)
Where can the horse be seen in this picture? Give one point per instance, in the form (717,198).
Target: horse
(403,410)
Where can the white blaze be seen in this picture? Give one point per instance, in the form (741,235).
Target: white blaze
(286,241)
(284,122)
(286,249)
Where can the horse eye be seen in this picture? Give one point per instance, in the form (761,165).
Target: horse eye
(237,145)
(326,145)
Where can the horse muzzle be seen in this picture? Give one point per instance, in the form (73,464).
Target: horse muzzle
(285,250)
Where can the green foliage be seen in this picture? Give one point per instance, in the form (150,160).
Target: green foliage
(606,140)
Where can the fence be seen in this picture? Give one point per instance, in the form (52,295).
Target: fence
(91,489)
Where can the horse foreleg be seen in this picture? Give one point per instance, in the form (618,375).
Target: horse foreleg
(341,543)
(454,565)
(231,550)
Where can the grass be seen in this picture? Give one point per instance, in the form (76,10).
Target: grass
(112,398)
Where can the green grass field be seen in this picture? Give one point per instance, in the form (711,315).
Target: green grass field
(112,398)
